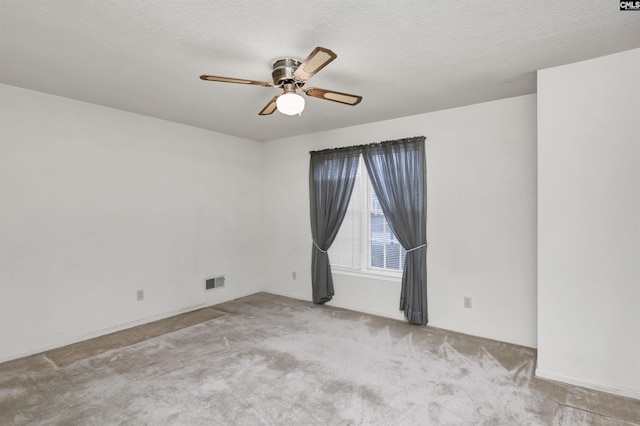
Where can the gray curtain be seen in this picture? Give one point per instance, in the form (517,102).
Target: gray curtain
(332,175)
(397,170)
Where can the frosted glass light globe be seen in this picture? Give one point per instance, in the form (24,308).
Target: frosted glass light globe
(290,104)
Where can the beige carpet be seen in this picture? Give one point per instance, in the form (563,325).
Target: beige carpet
(273,360)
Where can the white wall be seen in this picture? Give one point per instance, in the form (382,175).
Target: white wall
(97,203)
(589,223)
(481,223)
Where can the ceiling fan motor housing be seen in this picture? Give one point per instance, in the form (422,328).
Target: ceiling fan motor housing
(283,70)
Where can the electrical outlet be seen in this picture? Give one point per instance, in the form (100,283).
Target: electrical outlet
(140,295)
(467,302)
(294,275)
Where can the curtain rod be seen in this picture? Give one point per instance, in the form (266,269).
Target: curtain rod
(359,147)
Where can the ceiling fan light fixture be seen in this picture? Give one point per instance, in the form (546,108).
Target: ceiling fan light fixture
(290,104)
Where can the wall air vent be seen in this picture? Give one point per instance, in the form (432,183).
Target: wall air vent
(215,282)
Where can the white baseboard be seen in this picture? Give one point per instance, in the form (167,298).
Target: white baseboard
(291,296)
(340,305)
(397,317)
(628,393)
(119,327)
(400,317)
(490,336)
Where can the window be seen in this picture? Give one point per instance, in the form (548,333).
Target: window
(365,242)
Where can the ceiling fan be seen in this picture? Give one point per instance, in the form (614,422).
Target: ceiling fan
(291,75)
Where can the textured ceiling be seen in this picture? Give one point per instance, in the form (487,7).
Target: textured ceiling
(403,57)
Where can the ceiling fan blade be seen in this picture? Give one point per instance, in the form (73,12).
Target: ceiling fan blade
(234,80)
(270,107)
(330,95)
(318,59)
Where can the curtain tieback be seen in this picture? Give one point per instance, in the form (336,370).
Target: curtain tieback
(318,247)
(415,248)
